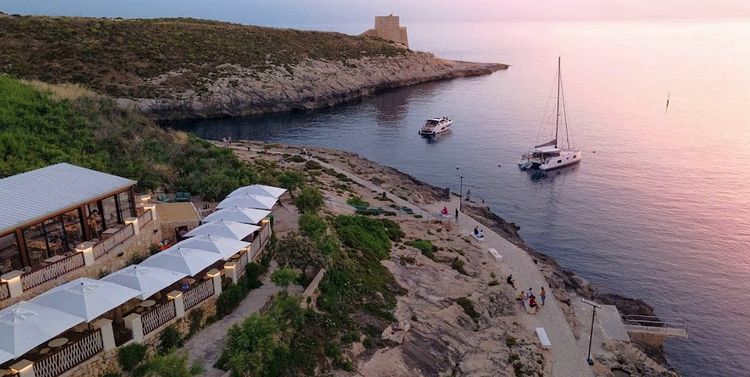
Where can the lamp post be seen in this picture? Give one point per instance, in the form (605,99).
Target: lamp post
(594,306)
(461,191)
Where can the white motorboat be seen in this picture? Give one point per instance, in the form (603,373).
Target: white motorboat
(435,126)
(552,155)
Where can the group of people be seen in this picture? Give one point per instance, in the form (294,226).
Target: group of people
(478,233)
(444,212)
(528,296)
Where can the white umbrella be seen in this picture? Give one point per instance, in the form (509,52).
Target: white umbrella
(5,356)
(87,298)
(146,280)
(227,247)
(274,192)
(240,215)
(226,229)
(26,325)
(188,261)
(248,201)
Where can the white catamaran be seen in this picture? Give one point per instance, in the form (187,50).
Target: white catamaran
(552,155)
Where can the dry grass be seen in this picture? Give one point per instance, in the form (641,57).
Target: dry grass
(64,91)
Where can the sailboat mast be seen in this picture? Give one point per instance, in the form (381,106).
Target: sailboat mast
(557,118)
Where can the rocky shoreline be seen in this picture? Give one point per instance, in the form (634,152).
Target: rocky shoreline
(431,292)
(310,84)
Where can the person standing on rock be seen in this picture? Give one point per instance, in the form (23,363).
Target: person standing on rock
(509,280)
(542,295)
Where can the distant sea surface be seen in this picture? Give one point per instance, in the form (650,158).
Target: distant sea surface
(659,209)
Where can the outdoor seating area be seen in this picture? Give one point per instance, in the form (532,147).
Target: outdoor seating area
(66,325)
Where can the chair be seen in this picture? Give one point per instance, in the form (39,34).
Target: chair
(6,266)
(162,198)
(35,254)
(182,196)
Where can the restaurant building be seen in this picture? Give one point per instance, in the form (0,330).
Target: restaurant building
(47,212)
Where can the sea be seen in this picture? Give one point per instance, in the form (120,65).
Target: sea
(659,208)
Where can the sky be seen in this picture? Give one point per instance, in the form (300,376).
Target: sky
(333,12)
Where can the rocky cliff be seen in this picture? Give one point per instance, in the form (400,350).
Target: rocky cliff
(238,91)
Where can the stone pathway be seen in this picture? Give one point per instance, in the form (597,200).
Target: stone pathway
(205,346)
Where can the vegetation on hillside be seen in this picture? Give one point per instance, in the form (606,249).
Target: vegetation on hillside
(41,127)
(119,56)
(357,299)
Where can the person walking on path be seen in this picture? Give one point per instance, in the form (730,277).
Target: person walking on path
(542,295)
(456,215)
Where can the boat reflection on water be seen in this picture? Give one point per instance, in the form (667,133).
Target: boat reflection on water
(433,139)
(537,174)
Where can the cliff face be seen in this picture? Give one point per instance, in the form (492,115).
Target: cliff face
(186,68)
(310,84)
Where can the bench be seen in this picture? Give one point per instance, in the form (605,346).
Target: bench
(543,338)
(495,254)
(182,197)
(478,238)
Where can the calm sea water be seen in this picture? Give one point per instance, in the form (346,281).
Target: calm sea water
(660,211)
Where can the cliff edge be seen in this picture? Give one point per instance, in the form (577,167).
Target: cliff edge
(187,68)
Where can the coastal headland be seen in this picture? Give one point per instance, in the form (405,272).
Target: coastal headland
(172,69)
(455,311)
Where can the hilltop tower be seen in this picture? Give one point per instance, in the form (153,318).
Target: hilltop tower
(389,28)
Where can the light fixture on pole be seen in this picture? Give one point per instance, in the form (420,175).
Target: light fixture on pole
(594,306)
(461,191)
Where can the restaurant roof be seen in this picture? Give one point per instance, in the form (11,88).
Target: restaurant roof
(33,195)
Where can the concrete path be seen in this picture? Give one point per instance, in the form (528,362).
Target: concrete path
(566,358)
(205,346)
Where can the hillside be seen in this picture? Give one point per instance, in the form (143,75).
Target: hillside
(186,68)
(42,124)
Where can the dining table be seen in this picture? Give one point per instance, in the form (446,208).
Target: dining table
(58,342)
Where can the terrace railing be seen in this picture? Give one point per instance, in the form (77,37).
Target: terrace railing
(51,271)
(4,291)
(144,219)
(198,294)
(241,263)
(102,248)
(157,317)
(69,356)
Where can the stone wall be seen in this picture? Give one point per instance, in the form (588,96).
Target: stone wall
(168,229)
(107,361)
(115,259)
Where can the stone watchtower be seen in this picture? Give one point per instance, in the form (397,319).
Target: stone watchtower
(388,28)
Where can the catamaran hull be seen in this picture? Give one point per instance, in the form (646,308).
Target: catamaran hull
(565,159)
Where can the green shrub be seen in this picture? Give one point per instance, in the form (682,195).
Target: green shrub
(111,374)
(312,165)
(425,247)
(283,276)
(312,226)
(230,299)
(169,340)
(310,199)
(297,158)
(364,234)
(458,265)
(510,341)
(356,201)
(253,271)
(393,229)
(493,283)
(468,307)
(350,337)
(196,321)
(131,356)
(170,365)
